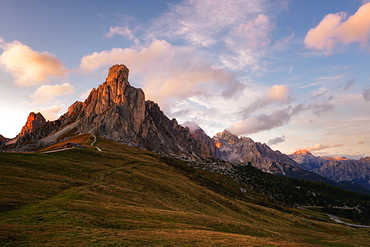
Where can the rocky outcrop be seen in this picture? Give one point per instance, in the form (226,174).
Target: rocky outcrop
(34,121)
(159,132)
(244,150)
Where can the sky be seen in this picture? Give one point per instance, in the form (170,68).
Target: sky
(293,74)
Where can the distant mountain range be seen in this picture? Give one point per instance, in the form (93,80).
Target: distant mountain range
(119,112)
(336,168)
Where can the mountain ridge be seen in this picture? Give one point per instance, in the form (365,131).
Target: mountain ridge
(118,111)
(337,168)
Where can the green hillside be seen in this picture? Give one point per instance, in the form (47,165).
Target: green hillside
(125,196)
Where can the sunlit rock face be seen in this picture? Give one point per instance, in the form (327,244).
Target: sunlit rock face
(114,110)
(34,121)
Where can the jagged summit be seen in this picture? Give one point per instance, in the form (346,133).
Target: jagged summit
(34,121)
(243,150)
(118,74)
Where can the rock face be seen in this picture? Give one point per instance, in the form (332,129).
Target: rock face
(199,134)
(114,110)
(34,121)
(244,150)
(336,168)
(118,111)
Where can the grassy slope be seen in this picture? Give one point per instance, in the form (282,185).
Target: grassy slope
(126,196)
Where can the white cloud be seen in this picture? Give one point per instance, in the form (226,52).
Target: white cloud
(29,67)
(204,22)
(336,29)
(238,31)
(191,125)
(50,113)
(123,31)
(169,72)
(46,93)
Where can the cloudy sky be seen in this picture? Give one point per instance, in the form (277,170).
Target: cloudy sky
(292,74)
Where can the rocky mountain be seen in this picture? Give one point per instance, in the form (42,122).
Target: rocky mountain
(336,168)
(118,111)
(307,160)
(244,151)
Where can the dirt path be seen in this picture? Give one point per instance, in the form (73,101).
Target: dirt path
(93,143)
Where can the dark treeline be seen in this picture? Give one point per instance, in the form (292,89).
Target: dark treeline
(295,192)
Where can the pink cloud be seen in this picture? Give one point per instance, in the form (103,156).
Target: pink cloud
(318,147)
(336,29)
(276,94)
(168,72)
(29,67)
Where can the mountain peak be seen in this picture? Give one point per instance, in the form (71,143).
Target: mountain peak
(34,121)
(302,152)
(118,74)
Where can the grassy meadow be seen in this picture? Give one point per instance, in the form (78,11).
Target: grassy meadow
(126,196)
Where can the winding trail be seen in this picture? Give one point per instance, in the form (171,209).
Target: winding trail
(336,219)
(93,143)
